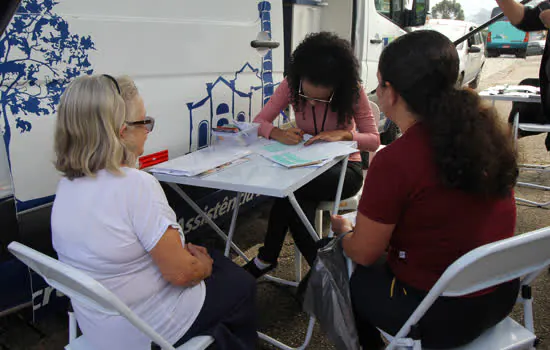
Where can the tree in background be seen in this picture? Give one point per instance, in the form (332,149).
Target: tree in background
(448,9)
(39,56)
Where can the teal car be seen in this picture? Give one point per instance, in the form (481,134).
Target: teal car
(504,38)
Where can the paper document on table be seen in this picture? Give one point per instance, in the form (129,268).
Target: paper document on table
(268,147)
(512,89)
(224,166)
(200,161)
(300,155)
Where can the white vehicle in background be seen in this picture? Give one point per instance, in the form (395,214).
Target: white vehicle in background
(197,63)
(471,52)
(537,42)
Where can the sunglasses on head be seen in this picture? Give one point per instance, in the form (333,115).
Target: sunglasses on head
(148,122)
(302,95)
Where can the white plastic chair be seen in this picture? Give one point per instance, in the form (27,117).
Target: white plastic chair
(83,289)
(347,203)
(525,255)
(532,167)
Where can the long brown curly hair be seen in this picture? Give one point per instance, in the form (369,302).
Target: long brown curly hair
(471,149)
(325,59)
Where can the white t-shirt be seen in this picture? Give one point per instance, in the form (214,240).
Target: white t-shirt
(105,226)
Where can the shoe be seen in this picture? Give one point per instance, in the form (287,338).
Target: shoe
(256,271)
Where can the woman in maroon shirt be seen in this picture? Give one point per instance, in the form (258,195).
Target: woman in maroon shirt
(324,89)
(442,189)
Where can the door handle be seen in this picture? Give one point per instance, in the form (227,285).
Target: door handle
(267,44)
(376,41)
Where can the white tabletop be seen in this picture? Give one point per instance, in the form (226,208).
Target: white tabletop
(258,176)
(492,94)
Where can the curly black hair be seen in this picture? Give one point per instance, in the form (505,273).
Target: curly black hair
(325,59)
(471,149)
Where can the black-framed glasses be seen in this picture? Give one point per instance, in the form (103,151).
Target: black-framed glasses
(148,122)
(304,96)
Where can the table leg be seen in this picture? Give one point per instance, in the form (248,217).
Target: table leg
(515,132)
(210,222)
(303,217)
(339,191)
(233,224)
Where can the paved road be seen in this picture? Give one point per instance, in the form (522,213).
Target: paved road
(531,150)
(281,314)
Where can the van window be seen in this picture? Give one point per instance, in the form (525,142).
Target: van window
(479,39)
(383,7)
(392,9)
(496,11)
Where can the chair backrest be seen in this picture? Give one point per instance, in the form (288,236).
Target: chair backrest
(82,288)
(486,266)
(375,112)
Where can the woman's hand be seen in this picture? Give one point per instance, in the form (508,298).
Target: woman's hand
(292,136)
(331,136)
(340,224)
(204,258)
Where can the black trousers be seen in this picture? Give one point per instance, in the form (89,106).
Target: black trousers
(450,322)
(229,310)
(283,216)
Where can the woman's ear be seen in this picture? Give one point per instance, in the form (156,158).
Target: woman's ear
(393,95)
(122,131)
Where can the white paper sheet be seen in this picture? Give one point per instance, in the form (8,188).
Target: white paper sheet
(198,162)
(299,155)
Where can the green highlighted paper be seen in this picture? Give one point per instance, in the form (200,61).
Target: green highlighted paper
(290,160)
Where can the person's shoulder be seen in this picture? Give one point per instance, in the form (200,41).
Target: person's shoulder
(139,177)
(406,148)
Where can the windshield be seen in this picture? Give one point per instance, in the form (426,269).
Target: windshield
(453,32)
(497,11)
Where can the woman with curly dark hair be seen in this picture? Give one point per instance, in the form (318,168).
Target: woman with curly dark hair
(324,89)
(442,189)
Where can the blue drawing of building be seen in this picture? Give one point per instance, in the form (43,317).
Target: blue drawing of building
(229,99)
(225,100)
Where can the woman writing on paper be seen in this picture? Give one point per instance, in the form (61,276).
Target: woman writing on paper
(442,189)
(324,89)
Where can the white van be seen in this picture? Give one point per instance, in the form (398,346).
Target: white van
(196,63)
(471,52)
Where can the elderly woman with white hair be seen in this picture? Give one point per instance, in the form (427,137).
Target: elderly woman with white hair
(113,222)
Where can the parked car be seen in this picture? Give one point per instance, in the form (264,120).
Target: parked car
(471,52)
(536,43)
(504,38)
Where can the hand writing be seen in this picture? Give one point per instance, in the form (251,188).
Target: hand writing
(331,136)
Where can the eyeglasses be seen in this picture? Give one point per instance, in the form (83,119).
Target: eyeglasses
(302,95)
(148,122)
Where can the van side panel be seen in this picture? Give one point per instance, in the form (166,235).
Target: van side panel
(192,62)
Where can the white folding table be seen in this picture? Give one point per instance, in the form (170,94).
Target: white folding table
(260,176)
(491,94)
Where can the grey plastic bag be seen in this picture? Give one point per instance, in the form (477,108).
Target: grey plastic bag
(327,296)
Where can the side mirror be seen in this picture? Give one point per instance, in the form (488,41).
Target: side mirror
(416,16)
(474,49)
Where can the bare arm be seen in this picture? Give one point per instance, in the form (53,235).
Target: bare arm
(367,242)
(177,264)
(513,10)
(278,101)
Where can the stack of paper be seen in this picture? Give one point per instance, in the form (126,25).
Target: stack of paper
(299,155)
(200,161)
